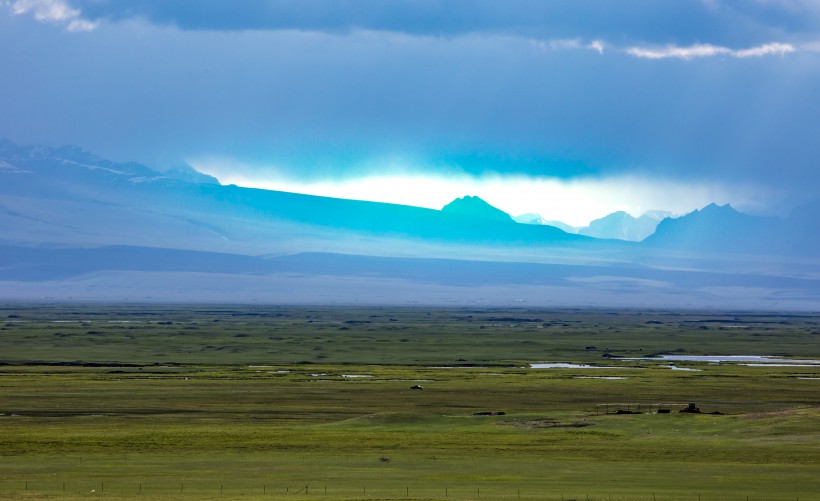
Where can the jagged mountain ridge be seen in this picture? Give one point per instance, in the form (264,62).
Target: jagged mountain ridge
(717,228)
(617,225)
(622,226)
(67,195)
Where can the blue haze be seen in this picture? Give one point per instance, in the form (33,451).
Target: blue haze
(344,89)
(701,94)
(76,226)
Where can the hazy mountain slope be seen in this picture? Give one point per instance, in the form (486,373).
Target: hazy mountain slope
(75,226)
(531,218)
(618,225)
(42,263)
(37,264)
(622,226)
(187,173)
(723,229)
(75,197)
(804,225)
(138,273)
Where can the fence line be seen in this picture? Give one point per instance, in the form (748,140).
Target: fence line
(321,490)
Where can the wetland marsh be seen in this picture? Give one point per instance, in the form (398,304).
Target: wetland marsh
(226,402)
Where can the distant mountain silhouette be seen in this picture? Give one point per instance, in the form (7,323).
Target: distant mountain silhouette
(67,195)
(531,218)
(475,207)
(73,225)
(622,226)
(712,227)
(70,196)
(187,173)
(618,225)
(717,228)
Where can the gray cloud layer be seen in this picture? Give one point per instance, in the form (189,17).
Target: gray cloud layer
(680,22)
(683,89)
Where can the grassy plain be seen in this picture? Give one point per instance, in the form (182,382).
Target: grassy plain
(206,402)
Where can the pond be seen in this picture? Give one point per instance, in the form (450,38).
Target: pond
(562,365)
(757,359)
(747,360)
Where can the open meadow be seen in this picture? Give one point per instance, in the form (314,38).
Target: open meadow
(164,402)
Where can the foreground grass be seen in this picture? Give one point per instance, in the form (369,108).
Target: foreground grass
(96,418)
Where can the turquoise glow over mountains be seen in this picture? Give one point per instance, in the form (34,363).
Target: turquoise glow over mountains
(572,110)
(75,226)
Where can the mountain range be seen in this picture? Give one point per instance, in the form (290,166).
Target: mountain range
(76,226)
(618,225)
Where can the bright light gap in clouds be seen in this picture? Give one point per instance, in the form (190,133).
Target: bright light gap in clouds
(575,202)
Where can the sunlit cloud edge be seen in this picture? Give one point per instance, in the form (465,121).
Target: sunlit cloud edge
(575,201)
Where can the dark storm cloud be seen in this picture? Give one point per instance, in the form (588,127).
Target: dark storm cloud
(715,91)
(683,22)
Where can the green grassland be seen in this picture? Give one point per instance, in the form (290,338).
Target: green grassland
(228,402)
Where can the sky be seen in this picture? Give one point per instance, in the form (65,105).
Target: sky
(571,110)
